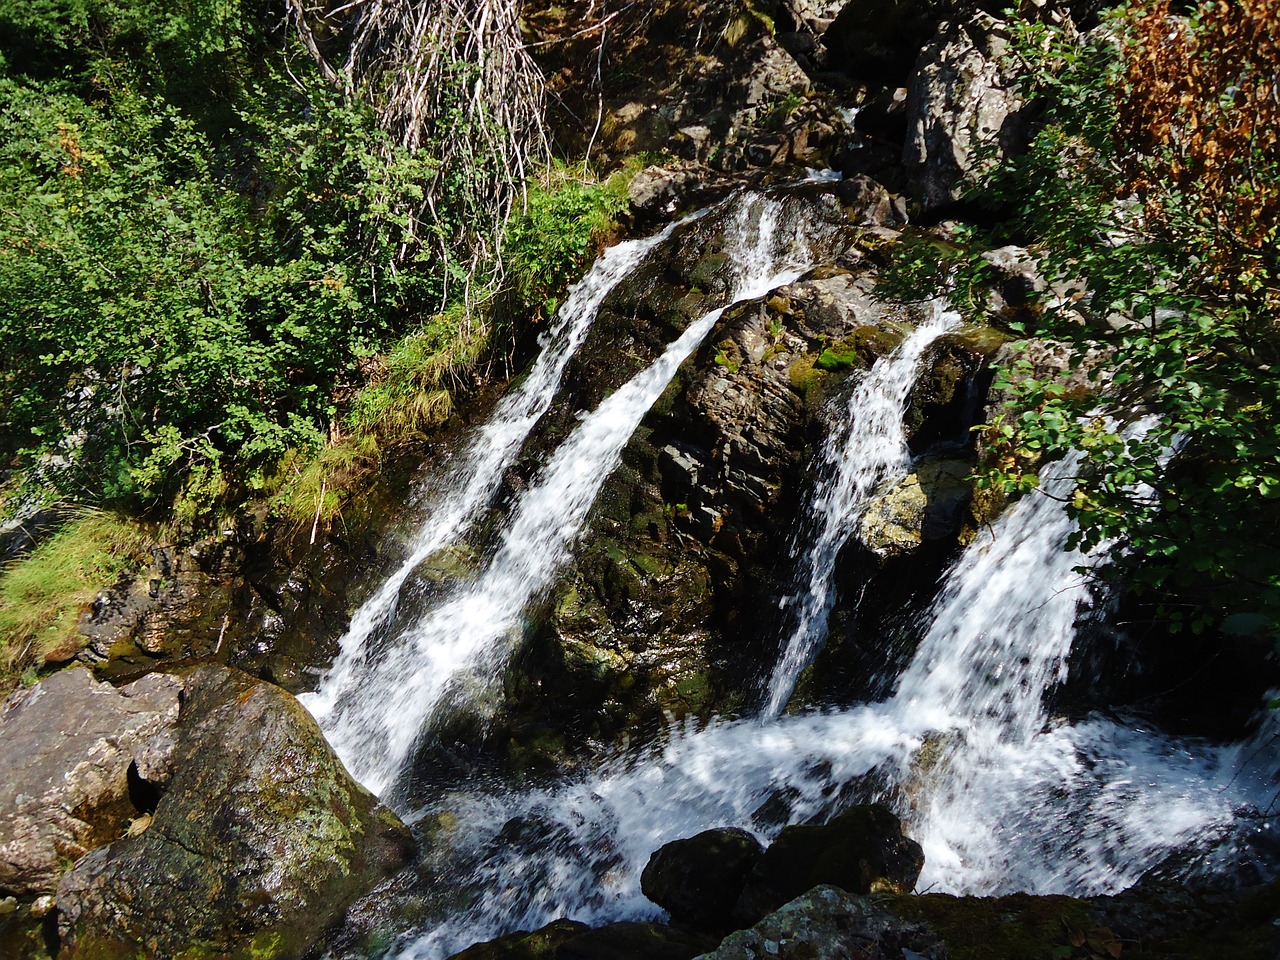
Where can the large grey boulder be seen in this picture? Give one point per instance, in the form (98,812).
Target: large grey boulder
(70,749)
(964,109)
(259,842)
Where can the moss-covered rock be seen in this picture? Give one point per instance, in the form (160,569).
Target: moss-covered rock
(258,843)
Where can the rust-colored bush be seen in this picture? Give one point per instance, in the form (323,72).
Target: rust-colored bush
(1199,131)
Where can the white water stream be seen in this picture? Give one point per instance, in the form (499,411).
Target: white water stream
(866,452)
(382,708)
(470,483)
(1002,797)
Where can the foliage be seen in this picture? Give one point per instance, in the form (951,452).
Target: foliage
(189,281)
(1150,193)
(565,222)
(43,595)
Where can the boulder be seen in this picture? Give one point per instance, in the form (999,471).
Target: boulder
(964,110)
(698,880)
(927,504)
(75,755)
(828,924)
(258,843)
(861,850)
(569,940)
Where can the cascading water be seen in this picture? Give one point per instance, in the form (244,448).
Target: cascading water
(472,482)
(867,451)
(1008,801)
(374,724)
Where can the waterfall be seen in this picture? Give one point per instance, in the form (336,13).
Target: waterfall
(473,480)
(867,451)
(465,639)
(1002,797)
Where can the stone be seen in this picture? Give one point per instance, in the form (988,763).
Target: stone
(827,923)
(258,843)
(861,850)
(67,747)
(927,504)
(964,110)
(698,880)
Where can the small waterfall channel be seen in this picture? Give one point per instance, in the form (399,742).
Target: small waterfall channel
(866,451)
(374,706)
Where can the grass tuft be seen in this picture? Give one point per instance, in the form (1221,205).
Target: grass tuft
(43,594)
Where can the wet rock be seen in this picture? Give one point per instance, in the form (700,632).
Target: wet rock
(569,940)
(257,844)
(662,191)
(964,112)
(828,924)
(698,880)
(861,850)
(75,755)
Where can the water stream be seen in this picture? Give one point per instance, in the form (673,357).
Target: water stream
(1002,796)
(864,453)
(458,647)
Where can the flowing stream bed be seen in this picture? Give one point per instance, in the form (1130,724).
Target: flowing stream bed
(1002,795)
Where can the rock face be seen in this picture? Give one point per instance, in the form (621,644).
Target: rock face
(964,111)
(75,755)
(861,850)
(698,880)
(829,924)
(259,840)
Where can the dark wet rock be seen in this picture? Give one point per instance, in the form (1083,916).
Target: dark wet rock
(861,850)
(77,756)
(259,841)
(698,880)
(568,940)
(965,112)
(826,923)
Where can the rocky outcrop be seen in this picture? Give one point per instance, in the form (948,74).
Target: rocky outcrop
(964,109)
(77,757)
(698,880)
(258,841)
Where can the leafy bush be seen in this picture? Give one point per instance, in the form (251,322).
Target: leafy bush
(1152,188)
(186,283)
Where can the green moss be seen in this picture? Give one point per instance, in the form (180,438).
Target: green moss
(833,360)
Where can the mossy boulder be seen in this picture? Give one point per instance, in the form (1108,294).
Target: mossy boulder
(259,841)
(927,504)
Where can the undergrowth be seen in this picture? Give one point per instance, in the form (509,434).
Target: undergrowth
(43,595)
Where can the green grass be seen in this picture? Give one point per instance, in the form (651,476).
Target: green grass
(43,595)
